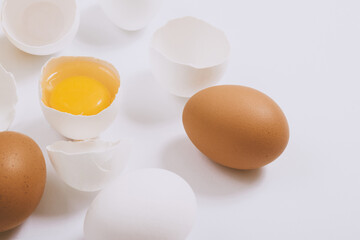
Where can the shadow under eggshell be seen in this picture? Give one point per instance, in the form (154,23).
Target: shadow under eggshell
(130,15)
(11,58)
(101,32)
(149,104)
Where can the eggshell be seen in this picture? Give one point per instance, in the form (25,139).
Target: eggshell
(88,165)
(8,98)
(187,55)
(40,27)
(130,15)
(236,126)
(79,127)
(22,178)
(145,204)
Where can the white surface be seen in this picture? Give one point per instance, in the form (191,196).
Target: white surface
(8,98)
(145,204)
(303,54)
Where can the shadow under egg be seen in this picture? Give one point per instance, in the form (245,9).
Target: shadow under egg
(60,199)
(205,176)
(10,234)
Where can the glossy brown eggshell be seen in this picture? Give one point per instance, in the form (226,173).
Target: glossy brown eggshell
(22,178)
(236,126)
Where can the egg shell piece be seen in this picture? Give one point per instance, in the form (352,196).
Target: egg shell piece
(187,55)
(131,15)
(22,178)
(8,98)
(40,27)
(88,165)
(236,126)
(145,204)
(79,127)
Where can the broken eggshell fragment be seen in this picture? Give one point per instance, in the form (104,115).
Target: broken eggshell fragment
(88,165)
(40,27)
(188,55)
(8,98)
(79,127)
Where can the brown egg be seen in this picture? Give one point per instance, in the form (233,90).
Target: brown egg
(236,126)
(22,178)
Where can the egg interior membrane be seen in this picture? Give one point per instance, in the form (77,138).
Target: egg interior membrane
(79,86)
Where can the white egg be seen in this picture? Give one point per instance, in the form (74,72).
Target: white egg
(79,127)
(88,165)
(40,27)
(8,98)
(130,15)
(188,55)
(146,204)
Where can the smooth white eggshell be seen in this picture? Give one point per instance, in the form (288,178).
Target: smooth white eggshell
(8,98)
(80,127)
(88,165)
(40,27)
(146,204)
(130,15)
(188,55)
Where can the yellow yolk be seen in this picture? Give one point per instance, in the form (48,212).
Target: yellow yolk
(80,95)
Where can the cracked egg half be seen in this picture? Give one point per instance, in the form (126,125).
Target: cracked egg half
(79,95)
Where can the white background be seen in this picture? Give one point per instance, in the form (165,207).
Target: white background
(305,54)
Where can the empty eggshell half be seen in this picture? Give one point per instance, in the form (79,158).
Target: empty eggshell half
(8,98)
(40,27)
(188,55)
(79,127)
(130,15)
(88,165)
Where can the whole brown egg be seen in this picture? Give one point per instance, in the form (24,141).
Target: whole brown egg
(22,178)
(236,126)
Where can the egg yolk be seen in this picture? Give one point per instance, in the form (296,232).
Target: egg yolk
(80,95)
